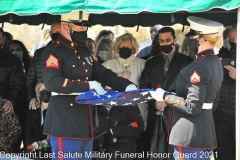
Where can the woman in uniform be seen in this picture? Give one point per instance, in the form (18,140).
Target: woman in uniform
(192,128)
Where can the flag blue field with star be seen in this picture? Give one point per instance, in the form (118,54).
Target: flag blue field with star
(115,98)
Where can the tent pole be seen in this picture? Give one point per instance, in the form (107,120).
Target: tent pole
(238,88)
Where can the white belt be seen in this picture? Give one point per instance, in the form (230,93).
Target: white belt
(207,105)
(70,94)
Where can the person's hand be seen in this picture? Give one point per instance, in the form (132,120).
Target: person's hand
(34,146)
(126,74)
(130,87)
(107,87)
(158,94)
(33,104)
(45,143)
(160,106)
(97,86)
(8,106)
(232,71)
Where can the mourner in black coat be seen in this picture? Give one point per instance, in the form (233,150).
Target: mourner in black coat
(225,114)
(13,88)
(153,77)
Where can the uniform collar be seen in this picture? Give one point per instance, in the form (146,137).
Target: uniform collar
(204,53)
(67,42)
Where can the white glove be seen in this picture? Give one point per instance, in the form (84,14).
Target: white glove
(130,87)
(97,86)
(158,94)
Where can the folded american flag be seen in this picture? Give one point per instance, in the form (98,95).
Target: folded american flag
(115,98)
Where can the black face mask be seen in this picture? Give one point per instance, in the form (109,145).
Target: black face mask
(233,47)
(79,37)
(125,52)
(55,36)
(193,45)
(167,48)
(45,96)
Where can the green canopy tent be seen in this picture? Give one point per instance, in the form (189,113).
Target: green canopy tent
(119,12)
(129,13)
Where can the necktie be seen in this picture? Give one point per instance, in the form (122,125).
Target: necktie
(166,65)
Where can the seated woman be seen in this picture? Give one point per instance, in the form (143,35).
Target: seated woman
(35,138)
(125,122)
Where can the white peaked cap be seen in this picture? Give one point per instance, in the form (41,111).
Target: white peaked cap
(204,26)
(76,17)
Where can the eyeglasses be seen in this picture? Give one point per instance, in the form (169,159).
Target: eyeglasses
(166,40)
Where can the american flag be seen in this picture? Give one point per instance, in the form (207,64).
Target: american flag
(115,98)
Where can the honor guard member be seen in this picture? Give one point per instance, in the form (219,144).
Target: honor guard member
(69,68)
(192,130)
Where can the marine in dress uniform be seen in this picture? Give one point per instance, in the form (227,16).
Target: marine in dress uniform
(192,128)
(68,68)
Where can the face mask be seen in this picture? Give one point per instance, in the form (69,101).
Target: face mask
(45,96)
(193,45)
(55,36)
(125,52)
(104,55)
(233,47)
(79,37)
(167,48)
(19,54)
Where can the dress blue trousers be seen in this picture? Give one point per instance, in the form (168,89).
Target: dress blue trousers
(181,153)
(70,149)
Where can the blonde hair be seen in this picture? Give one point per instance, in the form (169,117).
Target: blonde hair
(124,37)
(215,40)
(37,89)
(109,45)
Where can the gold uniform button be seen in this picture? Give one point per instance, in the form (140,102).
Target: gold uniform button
(72,44)
(79,80)
(177,100)
(86,78)
(73,65)
(75,51)
(78,57)
(83,63)
(172,99)
(71,104)
(86,70)
(57,42)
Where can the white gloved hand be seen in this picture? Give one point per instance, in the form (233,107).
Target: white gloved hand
(97,86)
(158,94)
(130,87)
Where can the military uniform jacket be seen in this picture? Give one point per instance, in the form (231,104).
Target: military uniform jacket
(198,83)
(67,68)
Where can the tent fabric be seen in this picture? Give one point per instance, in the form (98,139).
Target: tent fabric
(129,20)
(119,12)
(29,7)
